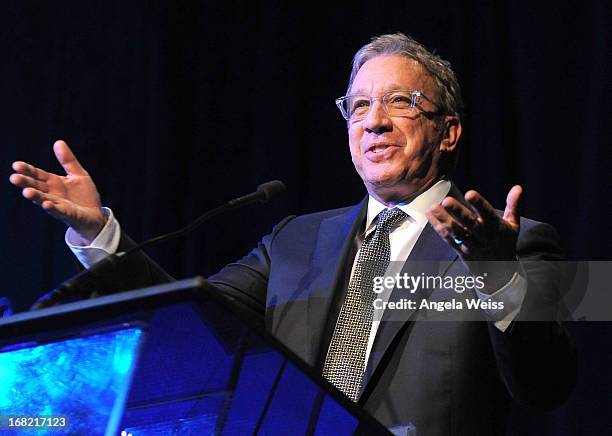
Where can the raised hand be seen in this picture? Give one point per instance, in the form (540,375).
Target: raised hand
(72,198)
(485,240)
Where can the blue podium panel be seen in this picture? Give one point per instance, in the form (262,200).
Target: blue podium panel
(76,385)
(176,359)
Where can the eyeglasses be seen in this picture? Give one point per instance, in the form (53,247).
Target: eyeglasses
(395,104)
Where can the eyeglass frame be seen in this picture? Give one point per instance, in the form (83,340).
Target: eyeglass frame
(414,93)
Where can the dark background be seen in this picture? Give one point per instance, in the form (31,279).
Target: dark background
(176,106)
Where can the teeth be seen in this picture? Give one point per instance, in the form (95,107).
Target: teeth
(378,148)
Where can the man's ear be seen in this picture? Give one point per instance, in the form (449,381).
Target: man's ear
(451,134)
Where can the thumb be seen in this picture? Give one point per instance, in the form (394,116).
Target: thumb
(512,211)
(66,158)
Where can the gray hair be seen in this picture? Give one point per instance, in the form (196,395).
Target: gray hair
(449,92)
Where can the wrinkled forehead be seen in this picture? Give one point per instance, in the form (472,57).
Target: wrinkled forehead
(386,73)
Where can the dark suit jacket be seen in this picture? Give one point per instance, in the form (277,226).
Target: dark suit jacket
(446,377)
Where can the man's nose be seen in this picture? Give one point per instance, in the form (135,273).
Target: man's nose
(377,120)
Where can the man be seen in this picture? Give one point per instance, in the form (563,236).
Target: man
(311,279)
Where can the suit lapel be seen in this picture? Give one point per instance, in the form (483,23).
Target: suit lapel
(335,243)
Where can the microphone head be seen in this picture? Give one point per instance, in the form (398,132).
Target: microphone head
(270,189)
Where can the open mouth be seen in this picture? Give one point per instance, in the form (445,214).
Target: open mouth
(380,148)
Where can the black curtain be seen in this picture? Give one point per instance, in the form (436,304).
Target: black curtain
(176,106)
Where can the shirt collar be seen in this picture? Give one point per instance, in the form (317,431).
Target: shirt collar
(415,209)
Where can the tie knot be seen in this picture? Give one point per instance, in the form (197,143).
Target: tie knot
(389,218)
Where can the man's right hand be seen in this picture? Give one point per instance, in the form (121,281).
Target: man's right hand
(72,198)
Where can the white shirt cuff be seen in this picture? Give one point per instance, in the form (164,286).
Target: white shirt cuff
(104,244)
(510,296)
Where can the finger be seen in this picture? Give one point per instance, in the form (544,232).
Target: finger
(445,233)
(454,227)
(34,195)
(30,170)
(28,182)
(440,228)
(54,205)
(484,209)
(57,208)
(460,213)
(512,211)
(66,158)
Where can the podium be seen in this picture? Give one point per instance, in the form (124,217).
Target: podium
(174,359)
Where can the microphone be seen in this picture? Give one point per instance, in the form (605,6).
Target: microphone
(85,282)
(264,192)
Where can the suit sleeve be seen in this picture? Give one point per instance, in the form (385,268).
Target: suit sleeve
(244,281)
(535,356)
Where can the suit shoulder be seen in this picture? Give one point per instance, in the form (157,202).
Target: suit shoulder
(306,228)
(531,227)
(539,237)
(322,215)
(528,225)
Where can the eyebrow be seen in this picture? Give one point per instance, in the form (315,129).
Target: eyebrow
(388,88)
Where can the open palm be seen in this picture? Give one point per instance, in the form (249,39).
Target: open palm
(72,198)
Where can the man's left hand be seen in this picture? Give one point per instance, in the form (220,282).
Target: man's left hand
(485,241)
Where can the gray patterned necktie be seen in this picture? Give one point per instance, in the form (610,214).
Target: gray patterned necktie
(345,362)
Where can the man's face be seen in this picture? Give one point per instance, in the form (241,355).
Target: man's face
(396,157)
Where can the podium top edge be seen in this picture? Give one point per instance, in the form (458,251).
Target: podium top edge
(169,289)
